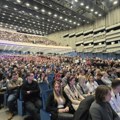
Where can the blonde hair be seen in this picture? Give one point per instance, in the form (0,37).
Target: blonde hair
(56,97)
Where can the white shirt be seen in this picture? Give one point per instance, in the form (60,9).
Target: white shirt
(92,86)
(115,102)
(106,80)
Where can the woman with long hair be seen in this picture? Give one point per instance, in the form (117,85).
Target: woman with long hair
(58,104)
(73,94)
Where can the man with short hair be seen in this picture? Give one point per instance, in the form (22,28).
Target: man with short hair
(12,87)
(31,96)
(115,99)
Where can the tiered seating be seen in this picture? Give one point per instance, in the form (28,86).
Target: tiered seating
(19,37)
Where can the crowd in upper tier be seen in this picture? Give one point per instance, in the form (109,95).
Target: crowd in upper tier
(75,77)
(19,37)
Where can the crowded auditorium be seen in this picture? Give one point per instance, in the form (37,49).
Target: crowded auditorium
(59,59)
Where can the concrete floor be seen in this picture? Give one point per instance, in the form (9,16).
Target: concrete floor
(4,115)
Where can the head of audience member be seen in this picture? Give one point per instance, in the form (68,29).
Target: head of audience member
(57,91)
(82,80)
(104,74)
(91,78)
(57,88)
(99,76)
(68,74)
(71,81)
(30,77)
(116,86)
(103,94)
(15,76)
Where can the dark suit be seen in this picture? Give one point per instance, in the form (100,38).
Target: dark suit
(82,112)
(102,111)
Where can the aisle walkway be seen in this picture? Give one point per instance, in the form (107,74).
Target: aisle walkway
(4,115)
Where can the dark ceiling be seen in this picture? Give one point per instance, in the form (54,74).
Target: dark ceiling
(44,17)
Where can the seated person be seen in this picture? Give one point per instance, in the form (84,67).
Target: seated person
(105,78)
(31,96)
(100,108)
(115,99)
(58,104)
(98,79)
(3,86)
(73,94)
(12,87)
(91,84)
(81,86)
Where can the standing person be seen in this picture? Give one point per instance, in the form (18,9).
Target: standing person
(100,108)
(115,99)
(58,104)
(31,96)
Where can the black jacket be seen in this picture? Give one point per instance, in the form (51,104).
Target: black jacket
(82,112)
(52,106)
(34,91)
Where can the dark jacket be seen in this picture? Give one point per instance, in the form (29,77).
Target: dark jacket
(82,112)
(102,111)
(52,106)
(34,91)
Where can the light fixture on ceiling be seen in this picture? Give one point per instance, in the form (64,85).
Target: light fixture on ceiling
(4,14)
(50,5)
(30,14)
(27,4)
(12,13)
(61,17)
(100,15)
(18,1)
(15,9)
(76,0)
(74,23)
(82,4)
(115,2)
(87,7)
(91,10)
(43,10)
(35,7)
(49,13)
(96,12)
(5,6)
(66,19)
(55,15)
(42,2)
(37,16)
(48,20)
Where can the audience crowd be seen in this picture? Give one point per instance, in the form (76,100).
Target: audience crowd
(19,37)
(74,79)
